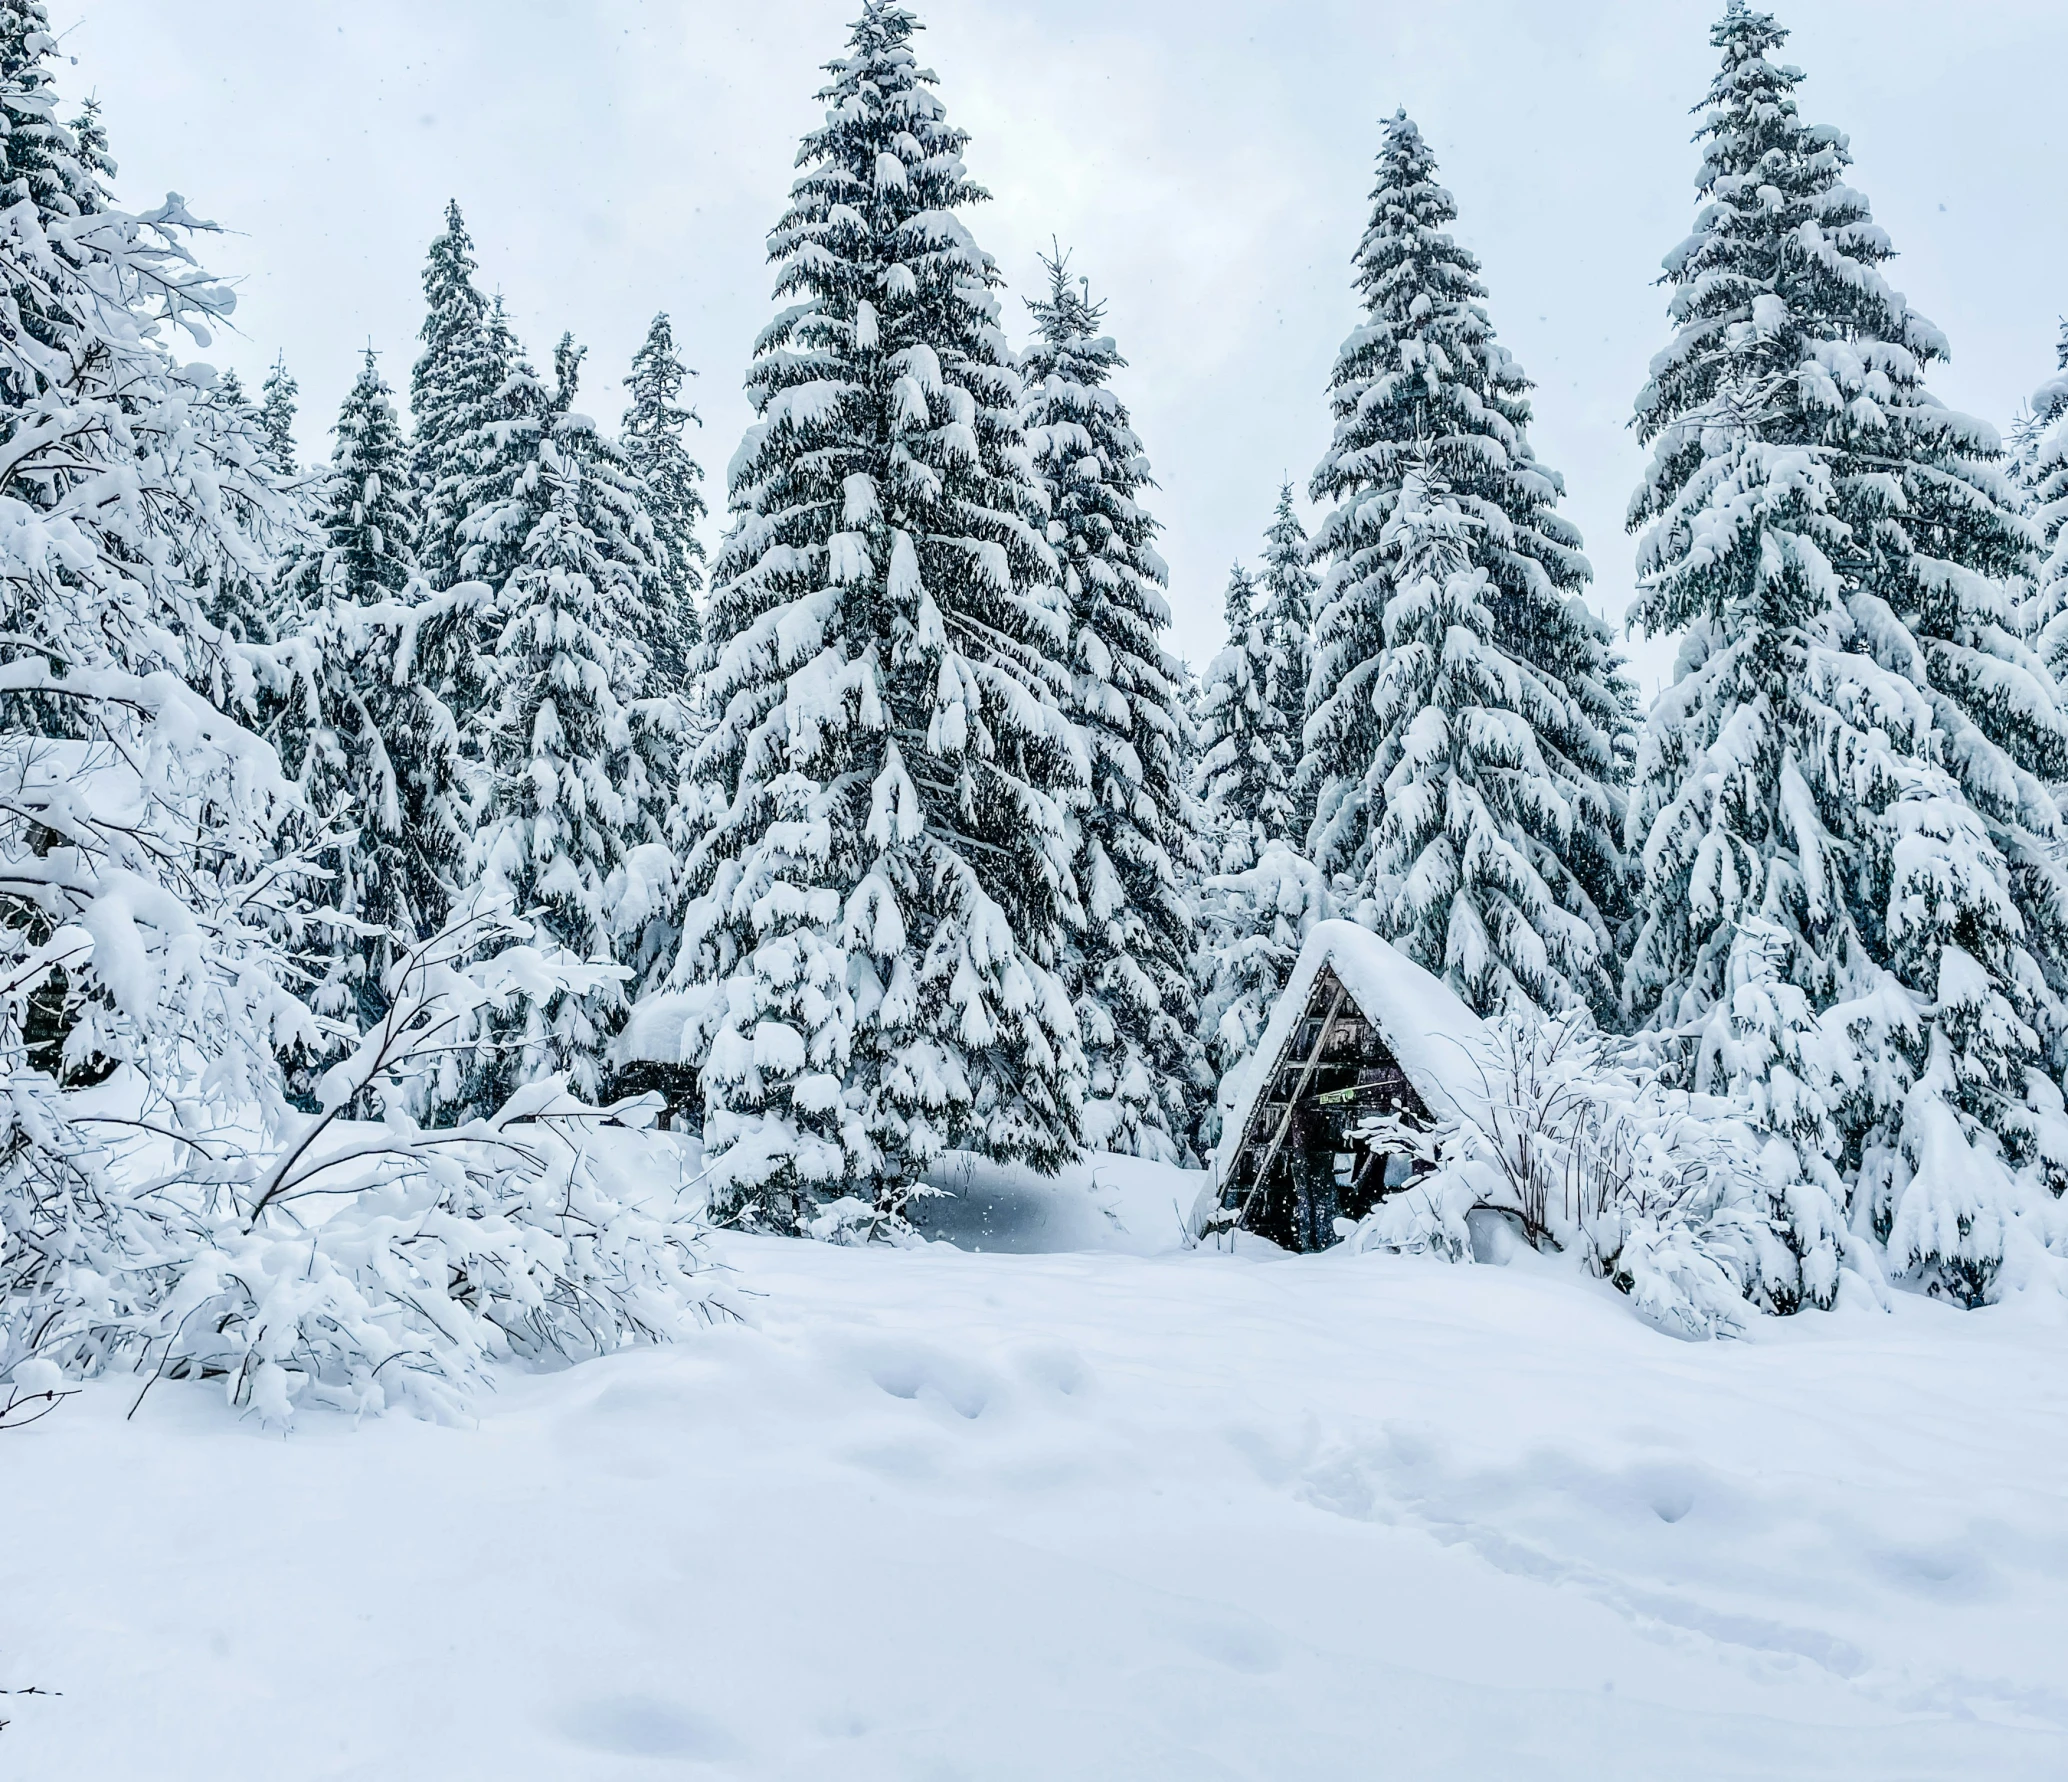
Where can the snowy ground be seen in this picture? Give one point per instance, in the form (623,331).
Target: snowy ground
(1117,1512)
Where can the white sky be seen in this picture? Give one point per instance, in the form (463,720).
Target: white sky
(1207,160)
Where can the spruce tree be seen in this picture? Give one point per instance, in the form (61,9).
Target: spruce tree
(2043,472)
(455,395)
(883,645)
(366,735)
(570,796)
(96,163)
(1289,587)
(276,417)
(1245,755)
(1423,390)
(365,507)
(1129,972)
(650,437)
(1842,553)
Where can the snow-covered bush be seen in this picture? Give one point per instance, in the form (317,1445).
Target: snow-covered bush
(318,1259)
(1680,1200)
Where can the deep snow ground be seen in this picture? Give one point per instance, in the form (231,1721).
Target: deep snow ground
(1086,1514)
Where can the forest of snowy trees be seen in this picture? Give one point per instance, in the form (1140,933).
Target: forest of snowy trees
(356,811)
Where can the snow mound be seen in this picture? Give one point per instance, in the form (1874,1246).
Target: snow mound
(1106,1202)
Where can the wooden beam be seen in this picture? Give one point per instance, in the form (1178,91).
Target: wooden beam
(1292,1105)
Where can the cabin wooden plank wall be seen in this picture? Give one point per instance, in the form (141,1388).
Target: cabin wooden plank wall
(1319,1173)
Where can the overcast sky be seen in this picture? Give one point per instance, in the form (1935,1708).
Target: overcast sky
(1207,161)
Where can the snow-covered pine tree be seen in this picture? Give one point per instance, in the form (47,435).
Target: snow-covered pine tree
(1260,895)
(1423,386)
(1245,755)
(90,148)
(570,795)
(369,741)
(365,508)
(1838,548)
(455,394)
(1467,804)
(276,416)
(2043,472)
(650,437)
(883,627)
(1289,588)
(1130,971)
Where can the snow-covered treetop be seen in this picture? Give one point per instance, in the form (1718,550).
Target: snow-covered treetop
(1423,379)
(651,435)
(1783,251)
(1079,435)
(276,415)
(887,399)
(369,515)
(454,307)
(1247,748)
(45,162)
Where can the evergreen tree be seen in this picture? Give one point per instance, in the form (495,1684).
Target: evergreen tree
(1246,756)
(366,513)
(97,165)
(455,394)
(883,643)
(276,417)
(570,793)
(2043,472)
(1290,587)
(492,490)
(1423,390)
(1841,551)
(651,440)
(366,736)
(1130,972)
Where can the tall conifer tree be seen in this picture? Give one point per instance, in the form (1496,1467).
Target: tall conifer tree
(570,796)
(366,511)
(1839,548)
(883,640)
(1246,758)
(651,438)
(1130,970)
(1483,864)
(1289,589)
(455,392)
(276,416)
(371,743)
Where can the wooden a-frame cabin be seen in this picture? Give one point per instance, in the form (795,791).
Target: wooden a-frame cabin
(1363,1055)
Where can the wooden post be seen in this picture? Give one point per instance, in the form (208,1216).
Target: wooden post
(1292,1106)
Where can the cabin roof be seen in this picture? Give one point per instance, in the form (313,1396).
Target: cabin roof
(1440,1045)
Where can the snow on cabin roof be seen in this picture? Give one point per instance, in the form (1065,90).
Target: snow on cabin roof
(1439,1043)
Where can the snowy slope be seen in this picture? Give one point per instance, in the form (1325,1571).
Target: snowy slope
(1084,1514)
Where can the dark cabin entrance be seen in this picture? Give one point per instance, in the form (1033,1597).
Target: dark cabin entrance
(1298,1168)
